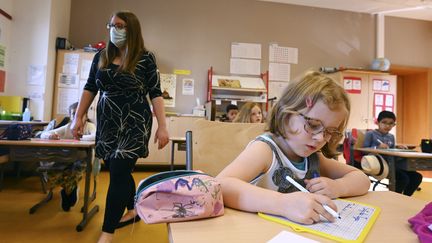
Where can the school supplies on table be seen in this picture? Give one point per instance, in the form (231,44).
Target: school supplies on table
(421,223)
(301,188)
(182,195)
(285,236)
(355,223)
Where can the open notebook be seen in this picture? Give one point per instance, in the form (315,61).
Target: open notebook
(355,223)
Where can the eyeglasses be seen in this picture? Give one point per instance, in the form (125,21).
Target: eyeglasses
(315,126)
(391,124)
(116,26)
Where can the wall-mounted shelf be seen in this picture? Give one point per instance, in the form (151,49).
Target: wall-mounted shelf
(223,90)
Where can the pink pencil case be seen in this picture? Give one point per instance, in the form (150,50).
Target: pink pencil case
(175,196)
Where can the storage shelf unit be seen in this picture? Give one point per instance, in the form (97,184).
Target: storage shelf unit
(223,90)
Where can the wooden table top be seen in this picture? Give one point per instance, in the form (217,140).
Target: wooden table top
(237,226)
(48,143)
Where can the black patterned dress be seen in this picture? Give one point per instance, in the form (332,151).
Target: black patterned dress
(124,118)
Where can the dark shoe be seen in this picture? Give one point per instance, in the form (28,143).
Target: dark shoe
(128,222)
(65,204)
(73,197)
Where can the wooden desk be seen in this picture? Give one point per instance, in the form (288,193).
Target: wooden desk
(87,146)
(416,161)
(236,226)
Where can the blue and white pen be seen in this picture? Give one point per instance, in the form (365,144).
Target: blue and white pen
(301,188)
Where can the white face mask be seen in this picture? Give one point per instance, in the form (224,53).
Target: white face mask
(118,37)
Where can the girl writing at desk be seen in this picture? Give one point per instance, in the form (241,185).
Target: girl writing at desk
(304,129)
(68,177)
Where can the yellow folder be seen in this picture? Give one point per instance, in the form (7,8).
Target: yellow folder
(355,223)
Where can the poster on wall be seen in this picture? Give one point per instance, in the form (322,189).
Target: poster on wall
(188,86)
(68,80)
(2,56)
(383,101)
(168,87)
(352,85)
(36,75)
(381,85)
(281,54)
(2,80)
(65,98)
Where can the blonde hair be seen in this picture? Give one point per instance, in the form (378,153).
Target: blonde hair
(315,87)
(244,114)
(134,44)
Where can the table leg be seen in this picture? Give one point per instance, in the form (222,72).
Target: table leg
(87,215)
(172,155)
(392,173)
(41,203)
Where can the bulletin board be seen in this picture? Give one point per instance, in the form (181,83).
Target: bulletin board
(72,69)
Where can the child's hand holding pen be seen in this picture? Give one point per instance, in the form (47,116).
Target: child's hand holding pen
(322,185)
(306,208)
(328,210)
(382,145)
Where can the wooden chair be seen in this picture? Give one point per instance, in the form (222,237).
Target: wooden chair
(216,144)
(354,139)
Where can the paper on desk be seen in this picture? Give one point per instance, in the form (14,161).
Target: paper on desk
(285,236)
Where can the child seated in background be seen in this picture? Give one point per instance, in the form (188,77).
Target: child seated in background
(231,113)
(64,132)
(407,182)
(249,113)
(304,129)
(67,174)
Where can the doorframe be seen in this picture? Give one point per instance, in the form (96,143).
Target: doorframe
(403,89)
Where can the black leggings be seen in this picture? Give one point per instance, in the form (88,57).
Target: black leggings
(121,192)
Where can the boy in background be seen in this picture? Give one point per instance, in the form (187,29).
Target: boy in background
(407,182)
(231,113)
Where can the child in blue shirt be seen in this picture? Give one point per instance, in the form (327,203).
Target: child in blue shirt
(407,182)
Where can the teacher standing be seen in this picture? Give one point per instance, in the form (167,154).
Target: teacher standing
(124,73)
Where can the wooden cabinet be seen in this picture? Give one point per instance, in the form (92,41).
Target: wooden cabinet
(369,92)
(223,90)
(177,127)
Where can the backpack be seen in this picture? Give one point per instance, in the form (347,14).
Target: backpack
(17,132)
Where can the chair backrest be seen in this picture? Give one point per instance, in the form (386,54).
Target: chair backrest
(354,138)
(216,144)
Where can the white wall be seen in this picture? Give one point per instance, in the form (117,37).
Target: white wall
(60,18)
(34,28)
(5,29)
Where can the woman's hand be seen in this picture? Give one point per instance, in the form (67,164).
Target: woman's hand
(77,128)
(54,136)
(323,186)
(306,208)
(162,137)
